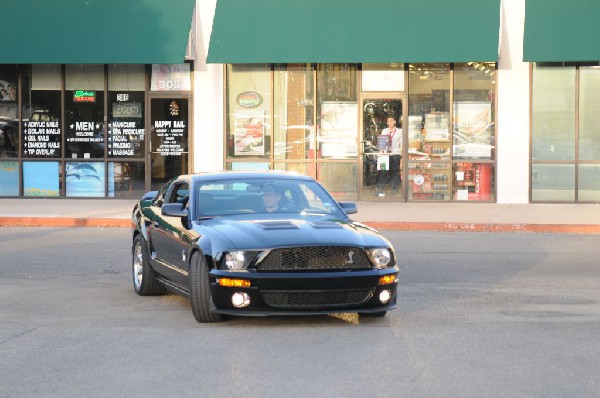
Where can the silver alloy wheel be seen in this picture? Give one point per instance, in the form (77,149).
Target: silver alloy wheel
(138,266)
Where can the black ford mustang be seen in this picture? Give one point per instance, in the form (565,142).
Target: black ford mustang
(259,243)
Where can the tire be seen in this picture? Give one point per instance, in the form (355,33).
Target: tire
(144,278)
(202,302)
(379,314)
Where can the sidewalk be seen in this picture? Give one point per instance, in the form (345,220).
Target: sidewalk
(560,218)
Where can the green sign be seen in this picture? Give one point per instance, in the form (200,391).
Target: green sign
(84,96)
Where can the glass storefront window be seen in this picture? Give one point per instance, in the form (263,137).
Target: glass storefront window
(565,133)
(9,130)
(8,84)
(41,178)
(300,168)
(382,152)
(293,128)
(247,166)
(589,122)
(337,109)
(382,77)
(249,119)
(126,77)
(553,182)
(171,77)
(9,178)
(126,179)
(126,132)
(126,102)
(84,111)
(91,121)
(428,132)
(339,179)
(169,139)
(85,179)
(589,183)
(474,111)
(430,181)
(553,113)
(41,112)
(429,110)
(473,181)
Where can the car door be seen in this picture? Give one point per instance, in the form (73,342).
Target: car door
(170,237)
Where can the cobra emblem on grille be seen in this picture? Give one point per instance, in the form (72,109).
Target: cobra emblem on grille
(350,255)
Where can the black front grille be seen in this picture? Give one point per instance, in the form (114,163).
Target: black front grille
(324,258)
(313,299)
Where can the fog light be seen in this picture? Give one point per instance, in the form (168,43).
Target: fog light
(240,300)
(385,296)
(229,282)
(387,280)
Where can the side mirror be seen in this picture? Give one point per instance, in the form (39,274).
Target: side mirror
(349,207)
(174,210)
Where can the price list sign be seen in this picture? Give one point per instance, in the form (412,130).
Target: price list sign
(41,139)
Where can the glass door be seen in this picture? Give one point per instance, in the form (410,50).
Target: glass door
(381,124)
(168,152)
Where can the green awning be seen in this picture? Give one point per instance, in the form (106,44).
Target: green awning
(562,30)
(340,31)
(95,31)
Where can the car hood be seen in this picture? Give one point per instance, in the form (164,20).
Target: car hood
(255,234)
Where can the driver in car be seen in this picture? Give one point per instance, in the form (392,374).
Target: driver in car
(271,198)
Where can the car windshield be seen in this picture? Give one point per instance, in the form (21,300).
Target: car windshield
(260,196)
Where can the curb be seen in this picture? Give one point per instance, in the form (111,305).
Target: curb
(64,222)
(379,225)
(484,227)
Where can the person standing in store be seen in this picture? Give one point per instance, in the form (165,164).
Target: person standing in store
(393,136)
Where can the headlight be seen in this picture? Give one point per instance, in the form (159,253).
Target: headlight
(380,257)
(238,259)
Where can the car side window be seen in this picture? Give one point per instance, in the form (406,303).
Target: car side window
(179,194)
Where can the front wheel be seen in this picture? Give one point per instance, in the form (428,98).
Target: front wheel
(202,302)
(144,279)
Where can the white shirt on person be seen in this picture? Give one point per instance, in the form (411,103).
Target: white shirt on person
(395,146)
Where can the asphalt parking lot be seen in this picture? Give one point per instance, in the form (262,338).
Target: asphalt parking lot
(480,314)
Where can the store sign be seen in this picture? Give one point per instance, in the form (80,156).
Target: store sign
(84,96)
(172,135)
(249,99)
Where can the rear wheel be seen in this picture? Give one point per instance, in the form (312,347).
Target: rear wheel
(202,302)
(144,279)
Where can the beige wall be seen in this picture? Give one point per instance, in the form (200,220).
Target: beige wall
(512,185)
(208,96)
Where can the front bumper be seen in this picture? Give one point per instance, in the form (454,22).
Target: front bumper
(305,293)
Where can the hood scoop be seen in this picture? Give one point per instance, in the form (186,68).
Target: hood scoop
(276,225)
(326,224)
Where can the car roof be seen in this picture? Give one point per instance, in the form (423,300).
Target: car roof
(244,175)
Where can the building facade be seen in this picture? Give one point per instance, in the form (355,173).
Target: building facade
(395,101)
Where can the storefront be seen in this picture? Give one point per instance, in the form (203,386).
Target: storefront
(318,102)
(94,115)
(488,101)
(565,100)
